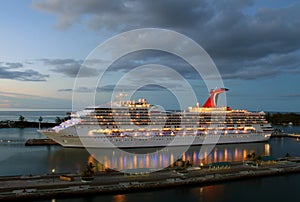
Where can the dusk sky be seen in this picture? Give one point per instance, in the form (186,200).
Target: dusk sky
(254,44)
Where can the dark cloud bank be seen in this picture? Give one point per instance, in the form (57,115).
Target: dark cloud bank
(14,71)
(244,42)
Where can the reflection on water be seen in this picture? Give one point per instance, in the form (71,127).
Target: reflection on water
(210,192)
(119,198)
(74,159)
(15,157)
(139,158)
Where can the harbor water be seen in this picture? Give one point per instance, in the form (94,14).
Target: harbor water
(17,159)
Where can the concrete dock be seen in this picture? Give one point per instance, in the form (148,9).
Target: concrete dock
(40,142)
(51,186)
(292,135)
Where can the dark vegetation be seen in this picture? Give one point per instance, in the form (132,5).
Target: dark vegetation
(23,123)
(283,118)
(88,173)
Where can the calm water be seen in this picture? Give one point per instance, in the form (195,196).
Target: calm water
(16,159)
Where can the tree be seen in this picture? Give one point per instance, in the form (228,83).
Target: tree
(251,156)
(58,120)
(88,172)
(21,118)
(248,156)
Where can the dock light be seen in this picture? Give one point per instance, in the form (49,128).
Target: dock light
(53,171)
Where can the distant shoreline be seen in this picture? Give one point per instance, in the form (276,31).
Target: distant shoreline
(25,124)
(34,124)
(34,110)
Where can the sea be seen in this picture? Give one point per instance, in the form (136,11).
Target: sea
(17,159)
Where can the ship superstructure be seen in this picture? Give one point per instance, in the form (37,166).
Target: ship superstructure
(134,124)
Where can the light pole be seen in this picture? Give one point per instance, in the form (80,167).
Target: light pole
(53,171)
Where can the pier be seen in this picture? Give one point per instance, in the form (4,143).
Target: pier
(27,142)
(56,186)
(40,142)
(292,135)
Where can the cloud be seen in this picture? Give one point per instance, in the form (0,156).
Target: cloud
(294,95)
(79,89)
(110,88)
(144,88)
(101,14)
(152,57)
(11,65)
(10,70)
(19,100)
(65,90)
(69,67)
(245,41)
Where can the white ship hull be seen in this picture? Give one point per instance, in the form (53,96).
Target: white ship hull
(102,141)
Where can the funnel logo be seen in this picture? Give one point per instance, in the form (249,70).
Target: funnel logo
(107,130)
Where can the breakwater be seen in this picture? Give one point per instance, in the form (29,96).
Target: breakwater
(50,186)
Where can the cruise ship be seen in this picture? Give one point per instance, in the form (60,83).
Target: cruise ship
(138,124)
